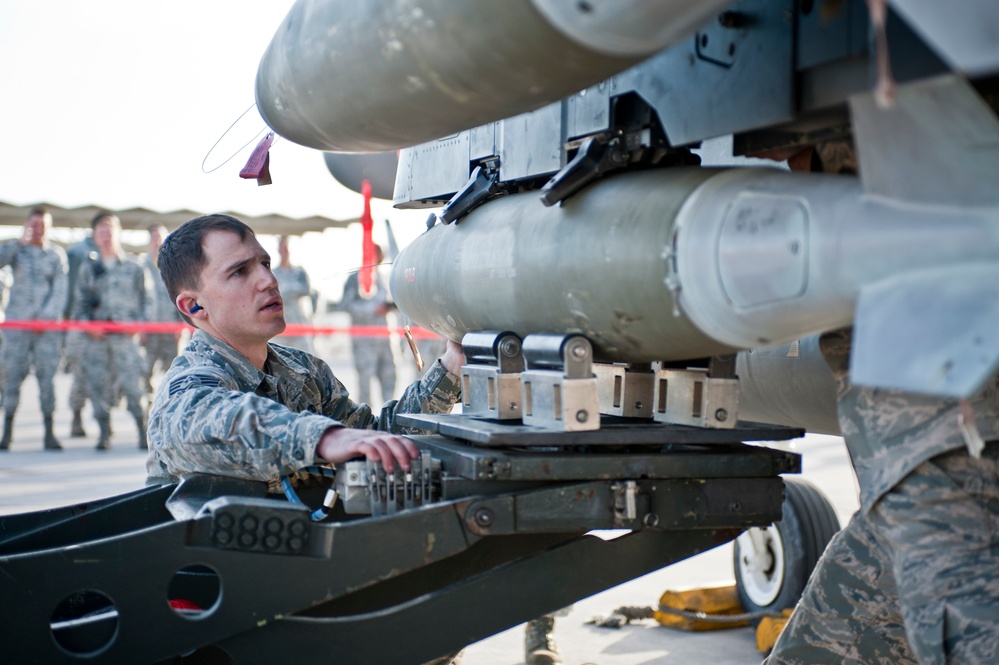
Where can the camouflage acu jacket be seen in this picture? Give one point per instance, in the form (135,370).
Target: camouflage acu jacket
(39,288)
(120,292)
(214,412)
(889,433)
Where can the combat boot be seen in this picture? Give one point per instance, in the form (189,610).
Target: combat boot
(104,442)
(76,429)
(140,422)
(539,642)
(51,443)
(8,432)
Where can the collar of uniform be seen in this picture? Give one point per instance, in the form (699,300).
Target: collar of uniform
(282,366)
(241,369)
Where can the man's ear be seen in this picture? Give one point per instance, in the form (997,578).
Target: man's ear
(186,301)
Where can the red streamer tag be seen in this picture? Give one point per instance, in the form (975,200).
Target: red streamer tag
(366,277)
(258,166)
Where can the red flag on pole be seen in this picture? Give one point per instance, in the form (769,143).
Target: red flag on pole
(366,277)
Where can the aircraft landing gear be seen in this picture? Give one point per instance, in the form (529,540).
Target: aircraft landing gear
(772,564)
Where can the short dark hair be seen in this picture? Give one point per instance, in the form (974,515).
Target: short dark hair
(39,210)
(182,255)
(100,217)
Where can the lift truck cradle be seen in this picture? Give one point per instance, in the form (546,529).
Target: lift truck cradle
(211,570)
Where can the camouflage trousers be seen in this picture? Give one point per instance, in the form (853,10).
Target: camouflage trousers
(373,357)
(110,358)
(76,340)
(914,580)
(21,350)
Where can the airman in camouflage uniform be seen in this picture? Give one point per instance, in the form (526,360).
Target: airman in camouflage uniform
(112,287)
(75,341)
(235,404)
(914,577)
(38,292)
(372,355)
(294,284)
(160,347)
(217,413)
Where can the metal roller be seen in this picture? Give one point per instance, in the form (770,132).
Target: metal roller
(489,346)
(561,352)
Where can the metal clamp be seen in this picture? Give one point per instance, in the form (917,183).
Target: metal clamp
(626,390)
(598,155)
(481,185)
(559,388)
(490,381)
(701,397)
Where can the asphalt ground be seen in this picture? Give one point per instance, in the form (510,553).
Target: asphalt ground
(33,479)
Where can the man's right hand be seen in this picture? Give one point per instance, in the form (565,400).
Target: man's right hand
(340,444)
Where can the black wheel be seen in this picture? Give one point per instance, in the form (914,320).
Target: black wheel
(772,564)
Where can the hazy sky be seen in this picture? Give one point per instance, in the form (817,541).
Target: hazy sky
(117,102)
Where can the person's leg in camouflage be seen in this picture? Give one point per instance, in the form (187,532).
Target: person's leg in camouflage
(46,360)
(75,341)
(849,610)
(16,361)
(96,361)
(150,348)
(942,522)
(161,350)
(130,367)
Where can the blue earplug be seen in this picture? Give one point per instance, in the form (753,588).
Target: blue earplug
(194,309)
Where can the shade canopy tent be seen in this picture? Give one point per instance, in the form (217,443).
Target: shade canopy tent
(142,218)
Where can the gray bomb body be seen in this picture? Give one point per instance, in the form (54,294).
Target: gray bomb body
(788,385)
(675,264)
(353,76)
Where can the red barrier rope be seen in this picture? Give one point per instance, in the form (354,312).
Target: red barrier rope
(151,327)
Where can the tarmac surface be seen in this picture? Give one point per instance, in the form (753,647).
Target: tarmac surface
(32,479)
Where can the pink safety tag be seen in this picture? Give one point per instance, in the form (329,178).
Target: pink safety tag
(258,166)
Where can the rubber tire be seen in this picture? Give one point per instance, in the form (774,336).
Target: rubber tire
(808,524)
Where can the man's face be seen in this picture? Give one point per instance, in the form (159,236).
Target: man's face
(38,226)
(238,291)
(107,236)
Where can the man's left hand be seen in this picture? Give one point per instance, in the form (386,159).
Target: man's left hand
(453,357)
(340,444)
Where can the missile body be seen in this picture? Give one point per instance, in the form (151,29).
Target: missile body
(788,385)
(673,264)
(356,76)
